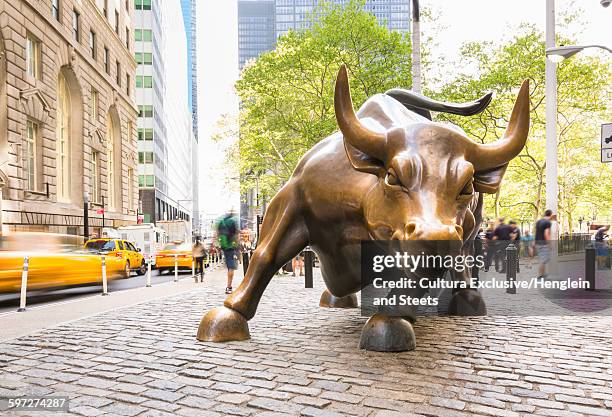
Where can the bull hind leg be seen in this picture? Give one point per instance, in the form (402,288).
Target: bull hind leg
(283,235)
(331,301)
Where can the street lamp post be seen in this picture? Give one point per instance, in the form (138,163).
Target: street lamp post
(552,186)
(86,215)
(416,47)
(555,55)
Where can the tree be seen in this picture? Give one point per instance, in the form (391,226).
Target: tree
(582,102)
(287,93)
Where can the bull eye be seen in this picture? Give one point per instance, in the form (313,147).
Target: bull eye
(392,179)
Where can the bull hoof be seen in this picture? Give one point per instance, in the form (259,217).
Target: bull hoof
(331,301)
(223,324)
(387,334)
(467,303)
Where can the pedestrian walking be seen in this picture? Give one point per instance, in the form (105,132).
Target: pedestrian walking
(601,247)
(502,235)
(489,247)
(198,252)
(542,242)
(227,234)
(515,237)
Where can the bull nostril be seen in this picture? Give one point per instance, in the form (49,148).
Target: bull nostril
(410,228)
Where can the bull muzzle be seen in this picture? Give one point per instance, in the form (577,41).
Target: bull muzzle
(416,230)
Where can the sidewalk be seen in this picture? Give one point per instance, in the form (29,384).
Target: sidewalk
(144,360)
(15,324)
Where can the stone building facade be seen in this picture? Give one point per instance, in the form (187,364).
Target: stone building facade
(67,115)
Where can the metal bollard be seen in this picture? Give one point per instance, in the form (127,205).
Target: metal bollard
(175,268)
(245,262)
(24,284)
(193,275)
(104,281)
(511,261)
(308,262)
(478,252)
(149,270)
(589,266)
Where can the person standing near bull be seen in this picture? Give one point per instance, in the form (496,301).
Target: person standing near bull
(542,242)
(198,252)
(227,234)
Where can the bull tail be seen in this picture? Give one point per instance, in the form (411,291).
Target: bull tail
(424,105)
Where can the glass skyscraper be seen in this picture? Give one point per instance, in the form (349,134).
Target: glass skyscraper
(255,29)
(295,14)
(261,22)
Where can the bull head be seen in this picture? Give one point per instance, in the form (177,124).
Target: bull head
(429,173)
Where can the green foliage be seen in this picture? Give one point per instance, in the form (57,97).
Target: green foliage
(582,104)
(287,93)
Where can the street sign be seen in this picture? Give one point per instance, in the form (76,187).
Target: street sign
(606,142)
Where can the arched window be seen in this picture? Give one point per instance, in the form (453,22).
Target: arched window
(110,161)
(63,139)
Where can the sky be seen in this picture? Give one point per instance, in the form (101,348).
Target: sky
(460,21)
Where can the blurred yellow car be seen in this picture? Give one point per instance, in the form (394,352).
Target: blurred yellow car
(164,260)
(55,260)
(130,257)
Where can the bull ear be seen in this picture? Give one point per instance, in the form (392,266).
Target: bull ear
(489,180)
(363,162)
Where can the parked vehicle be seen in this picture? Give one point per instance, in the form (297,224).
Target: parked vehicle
(183,253)
(176,230)
(147,237)
(130,256)
(55,260)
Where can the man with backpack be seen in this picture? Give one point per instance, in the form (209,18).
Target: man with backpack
(227,234)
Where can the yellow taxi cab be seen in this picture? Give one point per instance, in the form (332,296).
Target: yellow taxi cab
(164,260)
(54,260)
(123,250)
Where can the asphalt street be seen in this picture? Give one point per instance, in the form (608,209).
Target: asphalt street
(10,302)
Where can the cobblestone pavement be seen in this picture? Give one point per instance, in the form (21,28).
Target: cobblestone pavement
(303,360)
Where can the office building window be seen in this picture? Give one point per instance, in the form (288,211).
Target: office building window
(130,188)
(145,35)
(63,139)
(32,56)
(127,38)
(55,9)
(144,58)
(144,81)
(128,83)
(118,76)
(105,9)
(75,25)
(110,161)
(30,166)
(117,22)
(95,177)
(142,4)
(130,129)
(145,157)
(146,181)
(106,60)
(145,134)
(92,43)
(145,111)
(94,104)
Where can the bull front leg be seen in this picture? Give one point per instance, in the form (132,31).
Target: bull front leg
(283,235)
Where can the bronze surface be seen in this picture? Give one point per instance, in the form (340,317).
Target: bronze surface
(331,301)
(389,173)
(387,334)
(222,324)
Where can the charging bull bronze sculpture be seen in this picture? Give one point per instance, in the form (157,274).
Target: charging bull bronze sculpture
(390,173)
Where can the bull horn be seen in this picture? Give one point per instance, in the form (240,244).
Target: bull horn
(496,154)
(367,141)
